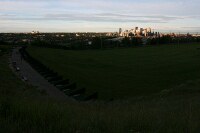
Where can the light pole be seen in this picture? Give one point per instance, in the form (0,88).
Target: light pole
(178,38)
(101,42)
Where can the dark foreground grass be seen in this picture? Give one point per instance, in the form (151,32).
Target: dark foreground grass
(121,73)
(24,110)
(180,114)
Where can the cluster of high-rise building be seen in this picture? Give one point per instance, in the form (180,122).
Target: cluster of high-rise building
(137,32)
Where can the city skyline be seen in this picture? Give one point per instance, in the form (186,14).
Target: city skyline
(98,15)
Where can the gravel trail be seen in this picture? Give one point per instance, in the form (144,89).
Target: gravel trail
(34,78)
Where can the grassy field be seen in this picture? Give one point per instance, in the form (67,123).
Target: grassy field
(122,73)
(24,109)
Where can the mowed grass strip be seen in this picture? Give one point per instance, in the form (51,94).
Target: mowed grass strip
(122,73)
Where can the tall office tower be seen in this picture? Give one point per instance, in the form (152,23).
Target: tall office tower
(137,30)
(141,30)
(120,30)
(145,32)
(134,31)
(149,30)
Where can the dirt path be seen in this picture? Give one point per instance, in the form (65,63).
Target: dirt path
(34,78)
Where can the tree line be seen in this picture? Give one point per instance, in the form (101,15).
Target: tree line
(107,42)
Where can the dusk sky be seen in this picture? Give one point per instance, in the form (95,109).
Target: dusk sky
(99,15)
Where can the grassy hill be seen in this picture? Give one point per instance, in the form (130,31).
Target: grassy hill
(121,73)
(24,109)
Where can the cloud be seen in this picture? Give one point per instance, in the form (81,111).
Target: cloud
(95,17)
(126,6)
(104,13)
(198,28)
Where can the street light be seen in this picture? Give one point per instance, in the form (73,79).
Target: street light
(101,42)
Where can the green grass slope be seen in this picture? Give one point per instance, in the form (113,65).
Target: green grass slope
(25,110)
(121,73)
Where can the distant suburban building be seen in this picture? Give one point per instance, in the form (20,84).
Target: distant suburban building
(35,32)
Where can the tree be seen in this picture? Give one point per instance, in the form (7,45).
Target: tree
(96,42)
